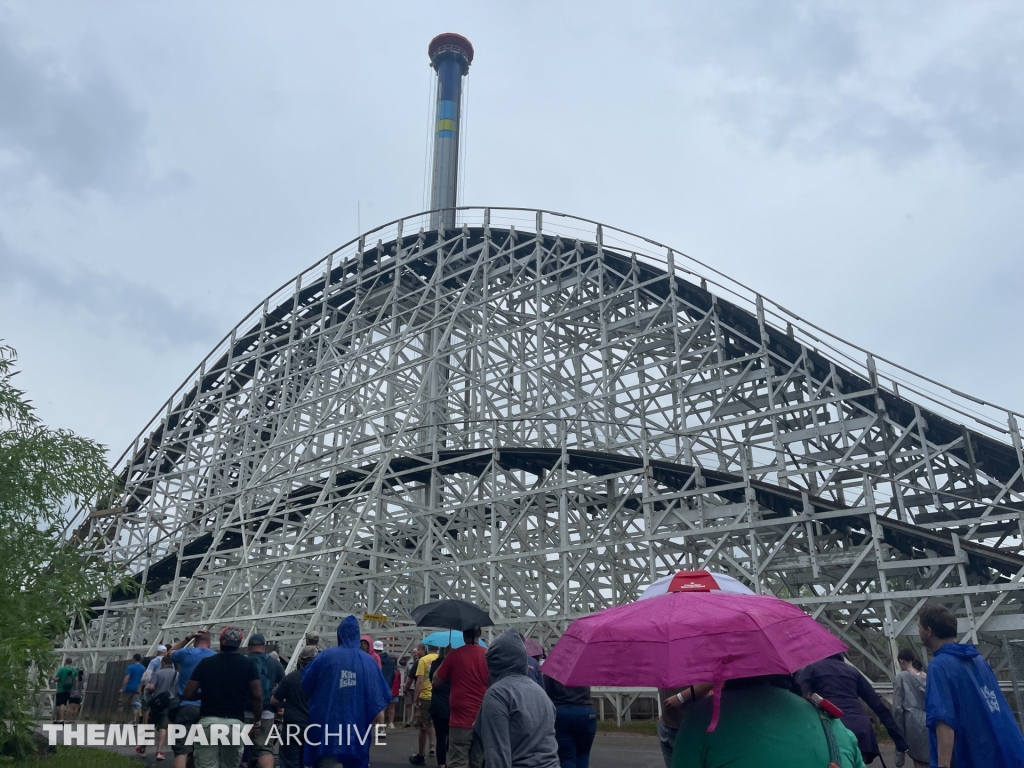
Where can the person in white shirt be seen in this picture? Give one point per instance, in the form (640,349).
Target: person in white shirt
(155,663)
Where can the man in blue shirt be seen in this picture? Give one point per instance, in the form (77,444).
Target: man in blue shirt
(131,688)
(967,715)
(187,659)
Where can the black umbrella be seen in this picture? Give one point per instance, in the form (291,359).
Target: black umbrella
(450,614)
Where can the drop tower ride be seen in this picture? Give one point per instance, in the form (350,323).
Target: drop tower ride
(450,56)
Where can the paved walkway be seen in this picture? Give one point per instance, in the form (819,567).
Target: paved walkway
(611,750)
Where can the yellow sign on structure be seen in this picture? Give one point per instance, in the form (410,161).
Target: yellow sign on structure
(374,617)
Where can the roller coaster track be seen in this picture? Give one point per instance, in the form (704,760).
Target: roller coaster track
(541,414)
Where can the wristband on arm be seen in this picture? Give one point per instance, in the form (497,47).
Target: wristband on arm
(693,696)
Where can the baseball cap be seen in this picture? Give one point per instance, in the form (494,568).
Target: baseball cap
(161,649)
(378,645)
(257,639)
(231,637)
(307,653)
(313,637)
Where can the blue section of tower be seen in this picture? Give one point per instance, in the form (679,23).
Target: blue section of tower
(449,76)
(450,56)
(447,115)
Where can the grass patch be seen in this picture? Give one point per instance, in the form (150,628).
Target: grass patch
(74,757)
(646,727)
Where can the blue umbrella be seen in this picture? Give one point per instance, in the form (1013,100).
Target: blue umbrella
(449,637)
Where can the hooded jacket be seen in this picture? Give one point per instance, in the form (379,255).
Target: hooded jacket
(388,666)
(373,653)
(845,686)
(964,694)
(345,691)
(516,724)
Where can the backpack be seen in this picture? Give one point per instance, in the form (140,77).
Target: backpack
(166,700)
(271,673)
(388,667)
(834,759)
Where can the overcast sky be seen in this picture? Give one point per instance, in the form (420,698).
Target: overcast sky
(165,166)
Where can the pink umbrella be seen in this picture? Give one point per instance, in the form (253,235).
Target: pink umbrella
(533,648)
(684,638)
(696,581)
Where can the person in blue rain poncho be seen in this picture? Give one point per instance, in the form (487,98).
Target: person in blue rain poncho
(346,691)
(970,724)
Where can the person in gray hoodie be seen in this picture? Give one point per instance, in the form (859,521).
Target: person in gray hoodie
(516,723)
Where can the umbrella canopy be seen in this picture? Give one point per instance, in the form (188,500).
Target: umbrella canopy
(696,581)
(450,614)
(446,638)
(683,638)
(533,648)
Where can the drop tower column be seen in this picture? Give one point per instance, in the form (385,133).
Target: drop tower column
(450,56)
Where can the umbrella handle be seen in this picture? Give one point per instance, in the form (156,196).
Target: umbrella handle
(716,705)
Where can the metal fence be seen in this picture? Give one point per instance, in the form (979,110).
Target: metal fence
(1015,661)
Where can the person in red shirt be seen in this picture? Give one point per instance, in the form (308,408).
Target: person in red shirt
(466,668)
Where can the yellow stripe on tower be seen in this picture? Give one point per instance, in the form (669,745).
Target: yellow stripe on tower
(446,125)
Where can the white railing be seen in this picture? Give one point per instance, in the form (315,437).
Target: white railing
(993,420)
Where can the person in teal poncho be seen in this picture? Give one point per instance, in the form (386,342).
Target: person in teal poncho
(763,722)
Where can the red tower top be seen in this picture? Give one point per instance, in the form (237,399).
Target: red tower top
(451,42)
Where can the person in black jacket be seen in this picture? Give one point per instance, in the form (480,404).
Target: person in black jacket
(440,710)
(845,686)
(388,668)
(575,722)
(289,694)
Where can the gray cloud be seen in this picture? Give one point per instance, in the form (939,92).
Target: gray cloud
(857,121)
(109,303)
(841,158)
(793,42)
(980,107)
(803,77)
(80,131)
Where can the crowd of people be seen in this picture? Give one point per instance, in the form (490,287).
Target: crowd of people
(952,714)
(494,707)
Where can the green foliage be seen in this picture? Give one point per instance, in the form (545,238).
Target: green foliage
(75,757)
(46,578)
